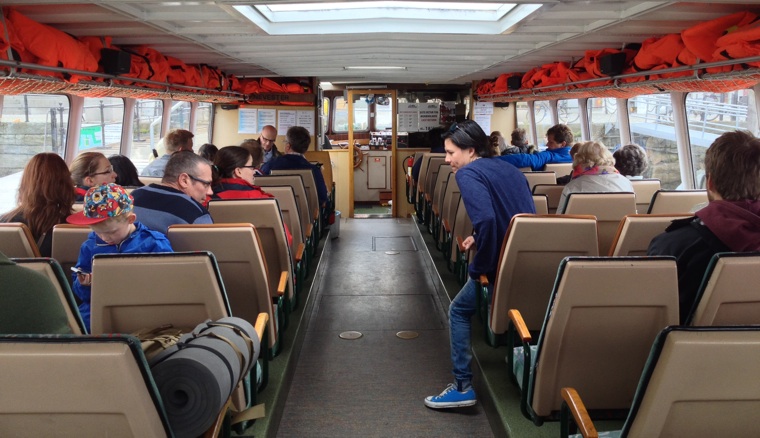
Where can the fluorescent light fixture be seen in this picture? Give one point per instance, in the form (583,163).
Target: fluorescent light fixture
(374,67)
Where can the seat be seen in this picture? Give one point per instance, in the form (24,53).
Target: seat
(644,190)
(291,216)
(16,240)
(609,209)
(436,200)
(540,177)
(461,228)
(52,270)
(636,231)
(145,290)
(437,159)
(560,169)
(411,184)
(533,248)
(312,196)
(241,262)
(676,398)
(729,294)
(604,314)
(302,199)
(448,212)
(430,177)
(147,180)
(676,201)
(265,215)
(541,202)
(323,157)
(67,240)
(553,193)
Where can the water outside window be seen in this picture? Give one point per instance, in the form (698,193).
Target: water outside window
(652,127)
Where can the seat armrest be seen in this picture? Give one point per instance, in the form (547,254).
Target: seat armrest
(283,283)
(261,325)
(299,252)
(572,402)
(447,226)
(519,323)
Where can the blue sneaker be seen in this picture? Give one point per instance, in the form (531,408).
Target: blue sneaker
(451,398)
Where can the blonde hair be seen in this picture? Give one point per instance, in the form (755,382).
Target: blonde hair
(593,153)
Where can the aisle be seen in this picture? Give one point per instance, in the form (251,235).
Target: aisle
(378,280)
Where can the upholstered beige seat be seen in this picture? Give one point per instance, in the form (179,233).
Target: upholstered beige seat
(698,382)
(430,161)
(436,200)
(540,177)
(461,229)
(309,213)
(605,314)
(729,294)
(644,190)
(532,250)
(67,241)
(677,201)
(541,203)
(16,240)
(553,193)
(300,248)
(147,180)
(560,169)
(52,270)
(609,209)
(636,231)
(448,213)
(312,195)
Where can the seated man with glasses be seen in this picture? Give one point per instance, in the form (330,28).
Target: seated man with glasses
(179,198)
(267,138)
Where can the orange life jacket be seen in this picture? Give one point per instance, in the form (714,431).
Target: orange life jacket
(701,39)
(743,42)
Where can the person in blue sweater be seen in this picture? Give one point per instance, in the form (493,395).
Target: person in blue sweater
(108,212)
(559,139)
(493,192)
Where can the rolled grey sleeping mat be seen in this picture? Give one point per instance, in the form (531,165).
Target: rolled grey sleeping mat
(196,376)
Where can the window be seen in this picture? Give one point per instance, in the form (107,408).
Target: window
(651,120)
(602,116)
(101,125)
(523,121)
(361,115)
(383,115)
(146,131)
(203,123)
(179,117)
(569,113)
(324,116)
(711,114)
(29,124)
(542,114)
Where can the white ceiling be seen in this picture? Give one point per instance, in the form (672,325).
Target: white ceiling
(213,32)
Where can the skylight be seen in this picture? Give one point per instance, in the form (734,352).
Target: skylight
(387,16)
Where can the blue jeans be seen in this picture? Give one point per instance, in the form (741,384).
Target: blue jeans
(464,305)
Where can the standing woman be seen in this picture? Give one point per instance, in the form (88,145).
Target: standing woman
(493,191)
(45,197)
(91,169)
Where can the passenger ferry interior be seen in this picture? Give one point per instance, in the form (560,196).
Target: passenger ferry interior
(352,317)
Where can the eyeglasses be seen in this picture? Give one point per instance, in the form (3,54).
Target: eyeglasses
(206,184)
(105,172)
(267,139)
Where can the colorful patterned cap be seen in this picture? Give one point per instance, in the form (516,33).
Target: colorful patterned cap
(101,203)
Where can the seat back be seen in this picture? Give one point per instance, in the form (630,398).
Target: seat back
(541,203)
(299,189)
(462,227)
(309,186)
(449,205)
(16,240)
(636,231)
(265,215)
(431,177)
(67,241)
(609,209)
(676,201)
(241,261)
(540,177)
(559,169)
(286,198)
(322,157)
(147,180)
(441,181)
(52,270)
(605,314)
(553,194)
(78,386)
(422,177)
(531,252)
(131,292)
(717,396)
(729,294)
(644,190)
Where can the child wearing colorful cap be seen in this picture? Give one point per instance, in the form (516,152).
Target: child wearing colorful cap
(108,212)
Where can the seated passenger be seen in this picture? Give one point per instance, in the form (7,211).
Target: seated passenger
(267,137)
(631,161)
(498,143)
(729,222)
(436,146)
(563,180)
(126,172)
(180,196)
(297,141)
(593,171)
(45,196)
(91,169)
(519,144)
(108,212)
(257,153)
(558,139)
(175,141)
(208,151)
(29,303)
